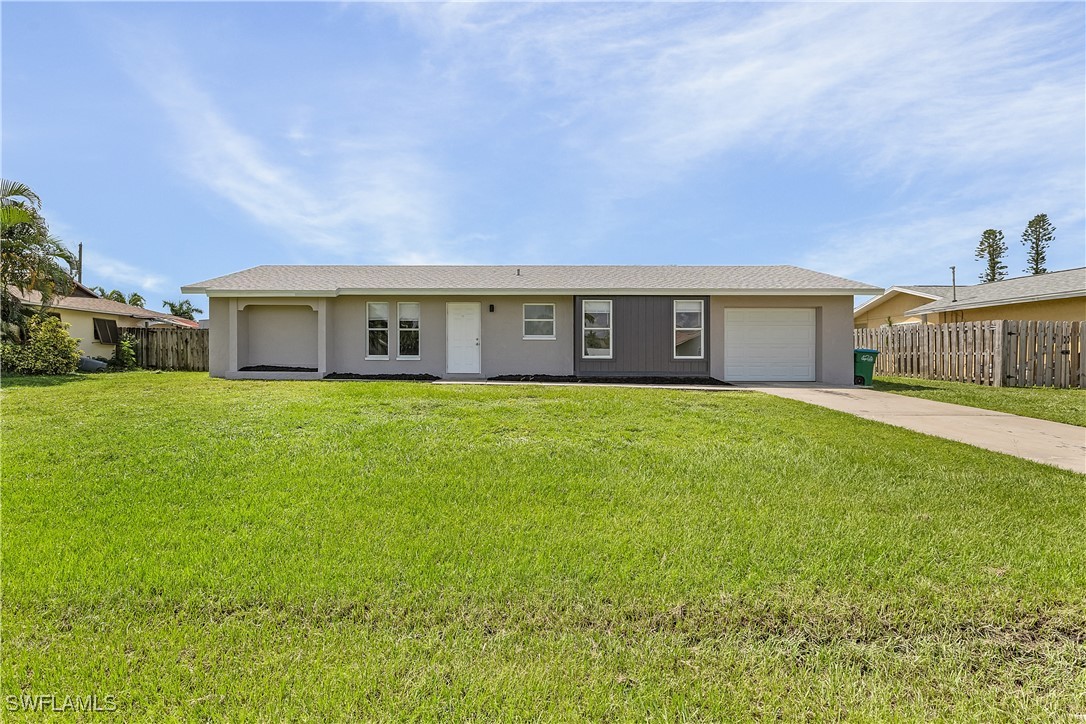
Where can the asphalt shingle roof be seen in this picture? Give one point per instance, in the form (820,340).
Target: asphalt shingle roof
(572,279)
(105,306)
(934,290)
(1054,285)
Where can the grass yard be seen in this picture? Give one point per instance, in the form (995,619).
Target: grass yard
(204,549)
(1046,403)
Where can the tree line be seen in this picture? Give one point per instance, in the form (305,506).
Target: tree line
(183,308)
(992,249)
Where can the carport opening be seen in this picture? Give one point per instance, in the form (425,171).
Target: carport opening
(277,338)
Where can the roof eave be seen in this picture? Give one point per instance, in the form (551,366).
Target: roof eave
(72,308)
(929,309)
(889,294)
(209,292)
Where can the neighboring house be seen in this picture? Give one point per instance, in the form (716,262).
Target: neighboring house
(1056,297)
(97,322)
(892,307)
(757,323)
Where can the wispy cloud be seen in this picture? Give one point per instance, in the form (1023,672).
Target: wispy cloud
(127,277)
(104,269)
(963,114)
(374,202)
(917,243)
(904,87)
(967,111)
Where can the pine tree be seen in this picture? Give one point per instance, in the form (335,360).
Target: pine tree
(1038,235)
(992,249)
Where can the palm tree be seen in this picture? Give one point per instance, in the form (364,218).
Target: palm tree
(183,309)
(31,259)
(13,204)
(134,299)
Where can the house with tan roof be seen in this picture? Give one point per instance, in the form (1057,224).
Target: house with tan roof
(1058,296)
(892,306)
(730,323)
(97,323)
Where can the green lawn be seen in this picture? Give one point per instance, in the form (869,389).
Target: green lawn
(204,549)
(1046,403)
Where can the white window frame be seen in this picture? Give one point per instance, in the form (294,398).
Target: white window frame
(400,328)
(610,329)
(387,330)
(675,329)
(524,319)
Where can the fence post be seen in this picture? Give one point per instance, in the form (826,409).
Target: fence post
(1076,356)
(998,368)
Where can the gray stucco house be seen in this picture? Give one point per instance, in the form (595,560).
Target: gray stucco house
(733,323)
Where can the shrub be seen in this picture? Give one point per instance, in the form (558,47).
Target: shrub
(48,350)
(10,357)
(124,355)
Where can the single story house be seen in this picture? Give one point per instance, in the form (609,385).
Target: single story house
(737,323)
(97,323)
(1058,296)
(892,306)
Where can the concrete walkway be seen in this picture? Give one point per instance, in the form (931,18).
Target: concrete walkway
(1051,443)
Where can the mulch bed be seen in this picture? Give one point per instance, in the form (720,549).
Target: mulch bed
(707,381)
(275,368)
(401,378)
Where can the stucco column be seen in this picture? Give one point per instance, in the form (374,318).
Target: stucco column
(322,337)
(232,322)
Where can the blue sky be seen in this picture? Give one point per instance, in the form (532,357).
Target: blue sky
(183,141)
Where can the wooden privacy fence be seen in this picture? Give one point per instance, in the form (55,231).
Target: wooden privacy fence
(1002,353)
(182,349)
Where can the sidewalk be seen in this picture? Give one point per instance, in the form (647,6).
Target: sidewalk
(1051,443)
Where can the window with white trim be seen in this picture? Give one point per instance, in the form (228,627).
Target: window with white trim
(689,328)
(377,330)
(410,316)
(539,321)
(596,337)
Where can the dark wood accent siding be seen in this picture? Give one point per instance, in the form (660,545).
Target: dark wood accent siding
(642,333)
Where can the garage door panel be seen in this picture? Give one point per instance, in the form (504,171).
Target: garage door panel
(770,373)
(773,336)
(769,345)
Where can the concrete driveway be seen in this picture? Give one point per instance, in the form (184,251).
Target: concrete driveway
(1051,443)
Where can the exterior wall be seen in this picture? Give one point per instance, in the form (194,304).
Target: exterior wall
(504,350)
(833,331)
(81,327)
(272,331)
(894,308)
(218,359)
(642,339)
(1052,310)
(508,353)
(278,335)
(643,344)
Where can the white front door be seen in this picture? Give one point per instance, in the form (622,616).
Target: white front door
(769,345)
(462,338)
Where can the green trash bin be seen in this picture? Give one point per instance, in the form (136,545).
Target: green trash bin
(864,365)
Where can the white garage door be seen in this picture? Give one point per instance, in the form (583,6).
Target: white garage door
(769,345)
